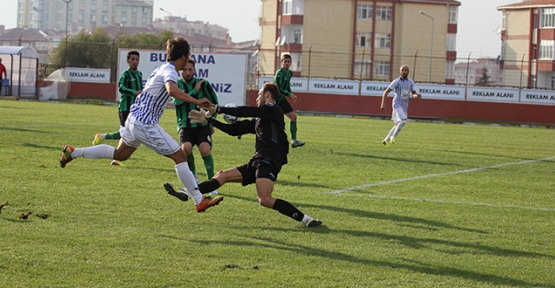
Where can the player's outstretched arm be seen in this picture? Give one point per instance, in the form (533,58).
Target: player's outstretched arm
(175,92)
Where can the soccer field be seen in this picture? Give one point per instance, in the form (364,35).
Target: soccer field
(448,206)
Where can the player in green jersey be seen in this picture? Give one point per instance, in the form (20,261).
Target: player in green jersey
(283,80)
(191,134)
(130,85)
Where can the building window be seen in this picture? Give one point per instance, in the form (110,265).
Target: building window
(105,8)
(449,69)
(364,11)
(295,7)
(81,18)
(548,17)
(362,69)
(546,49)
(104,19)
(453,14)
(381,68)
(384,13)
(81,7)
(93,17)
(297,36)
(382,41)
(123,9)
(363,39)
(143,21)
(123,19)
(145,10)
(133,20)
(451,42)
(134,10)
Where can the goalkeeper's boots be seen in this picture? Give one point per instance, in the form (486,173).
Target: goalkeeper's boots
(172,191)
(392,140)
(208,202)
(97,139)
(296,143)
(66,155)
(313,223)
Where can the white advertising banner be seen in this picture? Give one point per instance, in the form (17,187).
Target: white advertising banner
(90,75)
(334,86)
(442,92)
(492,94)
(297,84)
(535,96)
(225,72)
(368,88)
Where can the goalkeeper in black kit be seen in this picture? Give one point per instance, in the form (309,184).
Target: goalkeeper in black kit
(272,147)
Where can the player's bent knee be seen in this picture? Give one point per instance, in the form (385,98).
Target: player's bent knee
(266,202)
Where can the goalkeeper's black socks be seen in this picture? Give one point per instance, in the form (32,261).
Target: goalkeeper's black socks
(288,209)
(208,186)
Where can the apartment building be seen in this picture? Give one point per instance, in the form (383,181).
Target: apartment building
(180,25)
(471,72)
(528,43)
(83,14)
(360,39)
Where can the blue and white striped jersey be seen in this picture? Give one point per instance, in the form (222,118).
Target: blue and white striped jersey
(403,91)
(150,104)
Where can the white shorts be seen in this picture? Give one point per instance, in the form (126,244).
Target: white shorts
(398,115)
(154,137)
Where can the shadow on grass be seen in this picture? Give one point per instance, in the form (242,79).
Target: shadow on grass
(411,265)
(397,159)
(300,184)
(22,130)
(378,215)
(487,155)
(31,145)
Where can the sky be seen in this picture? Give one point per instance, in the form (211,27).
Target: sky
(477,23)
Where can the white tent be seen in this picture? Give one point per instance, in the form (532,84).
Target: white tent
(22,65)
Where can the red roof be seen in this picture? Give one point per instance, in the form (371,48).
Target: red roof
(450,2)
(528,4)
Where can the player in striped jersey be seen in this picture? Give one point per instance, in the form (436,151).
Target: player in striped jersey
(142,125)
(130,85)
(403,87)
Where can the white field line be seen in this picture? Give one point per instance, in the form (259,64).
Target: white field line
(452,202)
(437,175)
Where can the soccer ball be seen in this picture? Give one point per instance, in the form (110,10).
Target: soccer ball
(230,118)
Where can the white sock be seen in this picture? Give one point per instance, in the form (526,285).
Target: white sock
(306,219)
(188,180)
(100,151)
(399,127)
(390,133)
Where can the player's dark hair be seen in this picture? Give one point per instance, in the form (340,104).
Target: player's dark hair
(133,52)
(177,47)
(285,56)
(192,61)
(272,88)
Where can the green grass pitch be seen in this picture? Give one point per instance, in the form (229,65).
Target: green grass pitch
(447,206)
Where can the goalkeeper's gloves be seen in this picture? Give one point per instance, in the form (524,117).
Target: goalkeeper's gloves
(199,116)
(213,109)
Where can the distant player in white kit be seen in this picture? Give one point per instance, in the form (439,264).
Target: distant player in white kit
(141,126)
(403,87)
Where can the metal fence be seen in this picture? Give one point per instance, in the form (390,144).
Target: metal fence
(311,63)
(469,71)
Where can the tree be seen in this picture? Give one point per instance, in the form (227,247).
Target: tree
(484,80)
(97,50)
